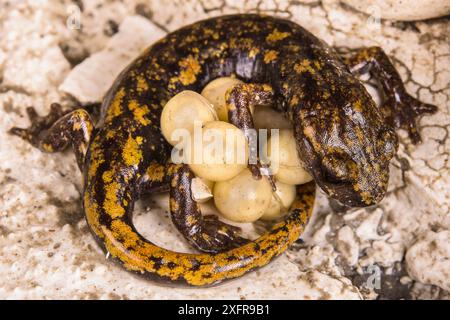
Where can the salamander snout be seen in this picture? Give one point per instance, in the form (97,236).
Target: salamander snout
(364,197)
(352,180)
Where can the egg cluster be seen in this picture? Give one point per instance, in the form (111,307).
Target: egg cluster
(190,121)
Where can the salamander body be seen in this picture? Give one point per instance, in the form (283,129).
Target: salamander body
(344,139)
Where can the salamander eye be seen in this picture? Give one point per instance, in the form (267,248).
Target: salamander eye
(336,167)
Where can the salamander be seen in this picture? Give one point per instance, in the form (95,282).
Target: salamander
(344,139)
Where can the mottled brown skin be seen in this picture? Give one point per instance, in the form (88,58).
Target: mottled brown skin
(345,141)
(239,99)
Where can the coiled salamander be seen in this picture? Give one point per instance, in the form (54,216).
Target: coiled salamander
(344,139)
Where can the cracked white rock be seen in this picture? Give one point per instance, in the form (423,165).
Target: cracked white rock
(348,245)
(402,9)
(320,235)
(368,229)
(383,253)
(31,59)
(328,287)
(428,259)
(89,81)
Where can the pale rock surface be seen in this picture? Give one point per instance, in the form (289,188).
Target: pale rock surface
(428,259)
(402,9)
(348,245)
(46,250)
(89,81)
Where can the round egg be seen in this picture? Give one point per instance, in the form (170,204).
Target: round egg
(218,152)
(243,198)
(182,111)
(280,201)
(266,117)
(285,161)
(215,91)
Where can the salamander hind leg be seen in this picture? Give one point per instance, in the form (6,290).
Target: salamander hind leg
(52,133)
(205,233)
(400,108)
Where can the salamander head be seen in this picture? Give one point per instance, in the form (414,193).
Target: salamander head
(347,147)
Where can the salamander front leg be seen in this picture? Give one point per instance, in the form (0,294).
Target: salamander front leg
(239,99)
(400,109)
(52,135)
(205,233)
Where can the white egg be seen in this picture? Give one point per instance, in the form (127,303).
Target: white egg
(280,201)
(219,153)
(182,111)
(266,117)
(285,161)
(215,91)
(243,198)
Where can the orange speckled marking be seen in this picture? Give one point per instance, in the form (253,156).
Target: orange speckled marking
(142,84)
(115,109)
(156,172)
(139,112)
(304,66)
(190,69)
(277,35)
(270,56)
(112,204)
(131,153)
